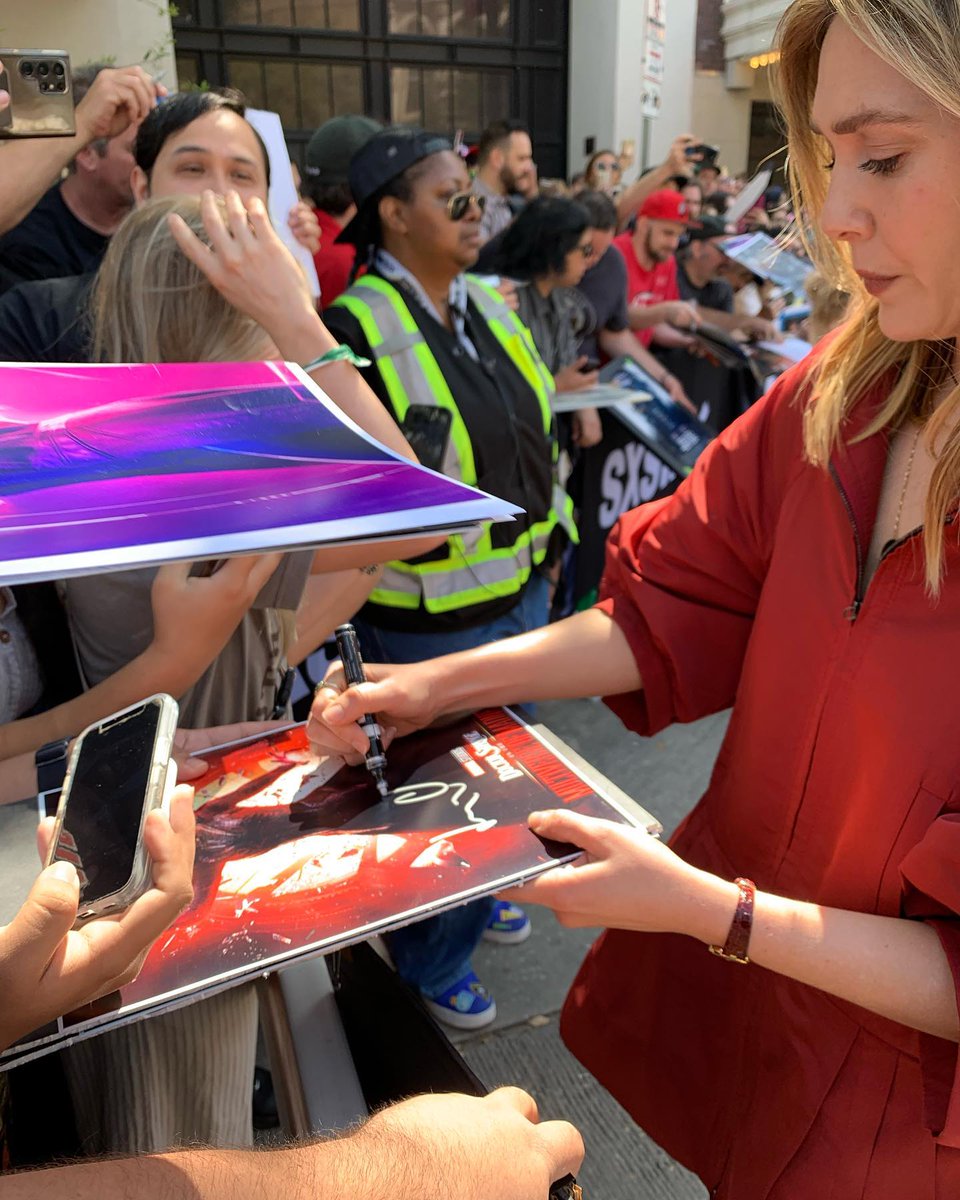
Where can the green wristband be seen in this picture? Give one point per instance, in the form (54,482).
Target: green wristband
(338,354)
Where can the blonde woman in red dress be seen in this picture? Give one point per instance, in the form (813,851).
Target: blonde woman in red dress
(808,574)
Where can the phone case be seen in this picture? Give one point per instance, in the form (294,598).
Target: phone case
(41,94)
(162,781)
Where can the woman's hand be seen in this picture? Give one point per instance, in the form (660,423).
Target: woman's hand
(48,968)
(248,263)
(190,744)
(194,616)
(304,226)
(401,697)
(627,879)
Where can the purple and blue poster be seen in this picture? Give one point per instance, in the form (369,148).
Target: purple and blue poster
(106,467)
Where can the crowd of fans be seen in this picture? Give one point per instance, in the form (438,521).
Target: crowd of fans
(511,288)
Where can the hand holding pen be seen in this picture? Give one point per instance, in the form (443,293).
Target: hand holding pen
(348,647)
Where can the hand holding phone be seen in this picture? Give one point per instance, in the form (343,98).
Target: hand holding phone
(39,94)
(49,968)
(120,770)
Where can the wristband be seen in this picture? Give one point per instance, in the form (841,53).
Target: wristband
(734,949)
(337,354)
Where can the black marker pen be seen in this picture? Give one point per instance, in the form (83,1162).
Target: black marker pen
(349,649)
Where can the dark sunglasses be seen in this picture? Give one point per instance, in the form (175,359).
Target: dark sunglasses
(459,205)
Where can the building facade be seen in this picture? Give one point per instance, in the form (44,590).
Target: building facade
(733,104)
(445,64)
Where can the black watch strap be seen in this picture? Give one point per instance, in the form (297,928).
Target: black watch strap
(51,763)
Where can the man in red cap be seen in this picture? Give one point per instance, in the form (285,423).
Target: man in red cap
(653,297)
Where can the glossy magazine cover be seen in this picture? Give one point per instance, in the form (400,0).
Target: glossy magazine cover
(106,467)
(298,857)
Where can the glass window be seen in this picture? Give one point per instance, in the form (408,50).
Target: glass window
(450,18)
(444,100)
(240,12)
(281,86)
(247,75)
(275,12)
(496,102)
(406,101)
(188,70)
(343,14)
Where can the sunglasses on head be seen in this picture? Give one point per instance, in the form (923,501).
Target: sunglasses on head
(459,205)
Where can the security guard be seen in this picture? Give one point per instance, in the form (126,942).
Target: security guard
(462,377)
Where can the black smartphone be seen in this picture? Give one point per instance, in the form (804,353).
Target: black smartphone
(41,94)
(427,429)
(705,154)
(120,770)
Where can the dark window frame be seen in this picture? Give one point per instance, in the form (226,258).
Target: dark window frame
(536,54)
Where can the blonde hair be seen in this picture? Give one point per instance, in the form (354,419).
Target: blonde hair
(919,40)
(151,304)
(829,306)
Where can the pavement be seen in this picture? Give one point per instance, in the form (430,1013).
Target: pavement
(666,774)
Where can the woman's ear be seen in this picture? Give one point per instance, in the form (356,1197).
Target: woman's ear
(140,186)
(392,215)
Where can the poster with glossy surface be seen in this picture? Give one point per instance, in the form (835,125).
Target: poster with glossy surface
(298,857)
(106,467)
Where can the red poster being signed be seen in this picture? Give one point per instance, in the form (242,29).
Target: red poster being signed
(297,856)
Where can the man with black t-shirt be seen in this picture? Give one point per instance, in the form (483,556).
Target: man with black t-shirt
(698,279)
(68,230)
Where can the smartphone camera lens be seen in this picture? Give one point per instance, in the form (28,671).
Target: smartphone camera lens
(26,69)
(58,69)
(43,70)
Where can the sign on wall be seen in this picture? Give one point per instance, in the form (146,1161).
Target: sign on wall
(654,39)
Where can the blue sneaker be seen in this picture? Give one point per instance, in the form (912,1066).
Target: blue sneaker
(466,1005)
(508,925)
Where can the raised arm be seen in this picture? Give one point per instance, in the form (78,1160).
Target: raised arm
(117,98)
(676,163)
(248,263)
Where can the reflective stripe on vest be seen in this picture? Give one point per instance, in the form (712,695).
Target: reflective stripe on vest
(473,571)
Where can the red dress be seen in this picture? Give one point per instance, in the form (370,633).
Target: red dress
(838,782)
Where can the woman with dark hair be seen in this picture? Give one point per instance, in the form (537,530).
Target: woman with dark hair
(547,250)
(463,378)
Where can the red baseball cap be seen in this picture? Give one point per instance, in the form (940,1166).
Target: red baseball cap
(665,205)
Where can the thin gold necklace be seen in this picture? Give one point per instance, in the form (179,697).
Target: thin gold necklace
(906,481)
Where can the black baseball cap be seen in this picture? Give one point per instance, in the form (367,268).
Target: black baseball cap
(333,145)
(385,156)
(706,227)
